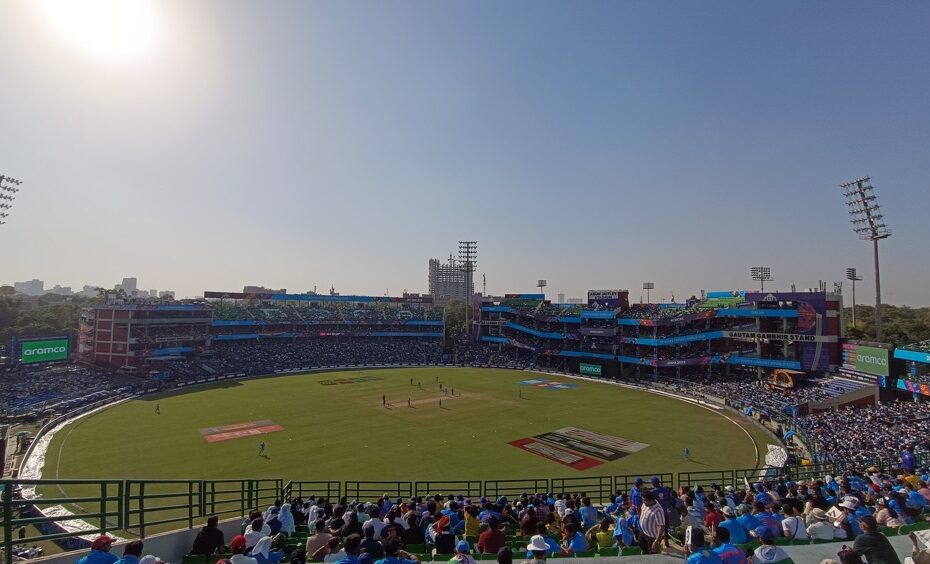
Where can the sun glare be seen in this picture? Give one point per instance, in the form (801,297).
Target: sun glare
(112,28)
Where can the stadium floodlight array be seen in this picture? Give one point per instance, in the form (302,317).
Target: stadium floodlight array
(869,224)
(648,286)
(761,274)
(8,187)
(468,260)
(853,276)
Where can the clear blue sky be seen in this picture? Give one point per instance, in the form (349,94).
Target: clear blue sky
(594,144)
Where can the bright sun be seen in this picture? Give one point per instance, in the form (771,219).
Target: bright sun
(113,28)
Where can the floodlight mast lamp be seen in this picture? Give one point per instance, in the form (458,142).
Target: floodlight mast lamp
(468,255)
(8,189)
(869,224)
(761,274)
(853,276)
(648,286)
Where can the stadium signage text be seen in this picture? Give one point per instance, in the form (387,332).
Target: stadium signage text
(771,336)
(44,351)
(589,369)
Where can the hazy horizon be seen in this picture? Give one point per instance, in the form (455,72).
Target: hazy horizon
(594,145)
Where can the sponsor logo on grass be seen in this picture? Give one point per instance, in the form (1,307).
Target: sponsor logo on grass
(548,384)
(545,450)
(579,448)
(239,430)
(354,380)
(44,351)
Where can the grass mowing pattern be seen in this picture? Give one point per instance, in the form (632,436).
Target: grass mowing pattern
(341,432)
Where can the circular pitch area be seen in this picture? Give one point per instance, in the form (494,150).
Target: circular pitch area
(401,424)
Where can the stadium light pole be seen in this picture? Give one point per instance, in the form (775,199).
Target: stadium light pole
(8,189)
(761,274)
(541,284)
(869,224)
(853,277)
(648,286)
(468,255)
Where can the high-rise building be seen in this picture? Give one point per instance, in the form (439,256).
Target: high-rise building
(166,294)
(129,285)
(153,293)
(32,287)
(262,290)
(561,298)
(447,281)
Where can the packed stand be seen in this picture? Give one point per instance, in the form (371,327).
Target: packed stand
(727,524)
(30,391)
(869,433)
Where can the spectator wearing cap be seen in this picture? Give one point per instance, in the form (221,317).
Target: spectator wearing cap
(847,521)
(728,553)
(821,528)
(491,539)
(652,523)
(100,552)
(537,550)
(462,553)
(698,553)
(873,545)
(767,552)
(554,547)
(737,533)
(209,538)
(132,552)
(238,547)
(394,555)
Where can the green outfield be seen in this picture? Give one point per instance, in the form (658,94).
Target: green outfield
(335,428)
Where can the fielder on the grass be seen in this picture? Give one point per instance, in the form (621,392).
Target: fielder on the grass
(261,448)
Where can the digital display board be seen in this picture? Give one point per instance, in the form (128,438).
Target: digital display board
(589,369)
(49,350)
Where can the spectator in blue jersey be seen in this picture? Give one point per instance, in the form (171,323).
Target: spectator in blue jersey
(636,494)
(914,499)
(132,552)
(100,552)
(728,553)
(736,532)
(768,519)
(573,541)
(908,460)
(587,514)
(747,519)
(698,553)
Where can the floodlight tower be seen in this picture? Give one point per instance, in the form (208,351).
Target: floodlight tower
(648,286)
(468,260)
(869,224)
(761,274)
(8,189)
(854,277)
(541,284)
